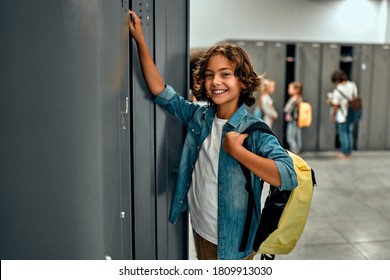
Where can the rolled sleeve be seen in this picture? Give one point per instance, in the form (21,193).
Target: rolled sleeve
(271,149)
(176,105)
(288,176)
(163,98)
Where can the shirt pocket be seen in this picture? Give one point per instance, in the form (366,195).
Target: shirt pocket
(193,134)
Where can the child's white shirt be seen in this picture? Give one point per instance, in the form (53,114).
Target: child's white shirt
(203,192)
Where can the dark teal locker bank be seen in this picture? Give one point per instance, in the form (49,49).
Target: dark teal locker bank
(87,162)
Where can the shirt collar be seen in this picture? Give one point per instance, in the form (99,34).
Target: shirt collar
(238,116)
(234,120)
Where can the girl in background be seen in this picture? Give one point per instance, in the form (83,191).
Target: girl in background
(266,104)
(294,133)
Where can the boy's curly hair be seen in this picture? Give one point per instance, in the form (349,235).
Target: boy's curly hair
(195,56)
(244,72)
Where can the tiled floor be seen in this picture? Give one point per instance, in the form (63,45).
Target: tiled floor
(350,212)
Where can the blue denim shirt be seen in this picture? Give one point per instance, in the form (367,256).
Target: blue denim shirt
(232,196)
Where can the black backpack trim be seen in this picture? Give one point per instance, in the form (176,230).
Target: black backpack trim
(262,126)
(275,203)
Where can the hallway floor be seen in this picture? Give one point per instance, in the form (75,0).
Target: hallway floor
(350,212)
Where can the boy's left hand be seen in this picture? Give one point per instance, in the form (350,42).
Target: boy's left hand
(233,142)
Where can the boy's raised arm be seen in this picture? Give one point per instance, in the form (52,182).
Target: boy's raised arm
(150,72)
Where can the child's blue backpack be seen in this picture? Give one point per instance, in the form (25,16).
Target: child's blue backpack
(284,214)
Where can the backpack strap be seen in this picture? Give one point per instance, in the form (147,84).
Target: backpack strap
(354,92)
(343,95)
(259,125)
(267,257)
(262,126)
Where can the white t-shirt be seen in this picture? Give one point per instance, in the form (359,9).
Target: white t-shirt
(350,90)
(203,193)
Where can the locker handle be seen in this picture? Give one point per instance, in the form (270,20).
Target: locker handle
(127,105)
(123,114)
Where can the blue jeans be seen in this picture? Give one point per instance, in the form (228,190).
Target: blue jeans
(294,137)
(345,136)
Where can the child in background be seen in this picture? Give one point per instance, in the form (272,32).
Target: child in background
(294,133)
(266,104)
(210,182)
(344,91)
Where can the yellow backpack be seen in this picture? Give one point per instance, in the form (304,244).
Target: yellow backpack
(304,114)
(284,214)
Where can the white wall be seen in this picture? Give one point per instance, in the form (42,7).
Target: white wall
(338,21)
(387,36)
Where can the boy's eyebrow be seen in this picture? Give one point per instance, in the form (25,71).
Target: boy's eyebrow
(220,69)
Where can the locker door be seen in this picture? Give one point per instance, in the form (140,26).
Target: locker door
(308,72)
(378,113)
(144,195)
(362,75)
(125,152)
(257,53)
(172,58)
(156,137)
(61,81)
(113,85)
(275,67)
(326,128)
(387,47)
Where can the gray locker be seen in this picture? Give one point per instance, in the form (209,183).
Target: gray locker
(87,160)
(362,75)
(172,58)
(275,68)
(257,52)
(308,72)
(379,100)
(143,146)
(327,129)
(63,76)
(157,136)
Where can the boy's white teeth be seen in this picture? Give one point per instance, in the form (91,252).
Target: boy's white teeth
(219,91)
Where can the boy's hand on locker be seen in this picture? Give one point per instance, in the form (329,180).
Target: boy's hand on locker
(135,26)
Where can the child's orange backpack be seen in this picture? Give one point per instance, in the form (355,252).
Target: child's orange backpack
(304,114)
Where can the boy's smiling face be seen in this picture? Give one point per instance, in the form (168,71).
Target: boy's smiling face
(222,86)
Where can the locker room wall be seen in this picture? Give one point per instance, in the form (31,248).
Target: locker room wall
(294,20)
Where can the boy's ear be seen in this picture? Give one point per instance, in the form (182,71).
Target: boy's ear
(244,86)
